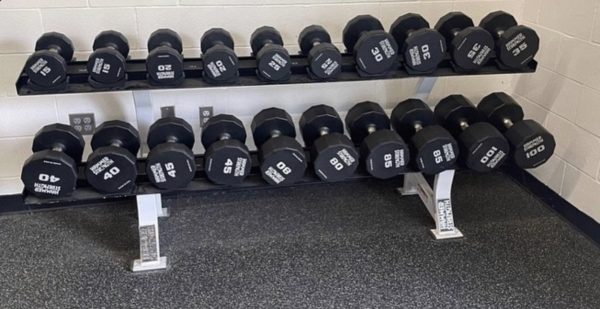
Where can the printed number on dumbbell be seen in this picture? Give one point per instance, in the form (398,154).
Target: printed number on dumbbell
(170,167)
(106,68)
(48,178)
(536,151)
(438,156)
(377,54)
(228,169)
(425,52)
(474,50)
(489,155)
(336,164)
(114,171)
(389,160)
(284,168)
(165,67)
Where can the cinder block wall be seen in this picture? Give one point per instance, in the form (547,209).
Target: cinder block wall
(23,21)
(564,95)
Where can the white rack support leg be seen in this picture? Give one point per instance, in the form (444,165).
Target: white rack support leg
(149,208)
(437,200)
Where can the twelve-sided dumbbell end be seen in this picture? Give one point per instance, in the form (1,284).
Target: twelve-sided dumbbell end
(227,160)
(52,170)
(482,147)
(164,63)
(333,154)
(282,158)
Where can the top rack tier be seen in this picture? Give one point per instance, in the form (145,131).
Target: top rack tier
(136,78)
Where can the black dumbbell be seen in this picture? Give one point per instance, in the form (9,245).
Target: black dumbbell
(282,158)
(433,149)
(532,145)
(423,48)
(112,167)
(52,169)
(482,147)
(383,152)
(471,47)
(218,57)
(333,154)
(165,61)
(106,65)
(227,160)
(273,61)
(47,66)
(324,59)
(375,51)
(171,163)
(516,45)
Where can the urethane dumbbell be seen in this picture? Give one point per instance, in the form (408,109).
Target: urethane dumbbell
(375,50)
(333,154)
(170,163)
(47,66)
(384,153)
(218,57)
(516,45)
(433,149)
(471,47)
(52,169)
(165,61)
(273,61)
(423,48)
(106,65)
(324,59)
(112,167)
(227,160)
(282,158)
(482,147)
(532,145)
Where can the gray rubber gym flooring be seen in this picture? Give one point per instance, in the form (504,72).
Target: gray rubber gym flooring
(353,245)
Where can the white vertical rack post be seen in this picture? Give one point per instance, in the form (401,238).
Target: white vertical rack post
(149,206)
(437,199)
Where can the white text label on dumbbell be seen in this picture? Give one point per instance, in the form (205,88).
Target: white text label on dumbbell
(40,67)
(217,68)
(479,53)
(492,157)
(386,46)
(47,187)
(517,44)
(277,62)
(165,71)
(534,147)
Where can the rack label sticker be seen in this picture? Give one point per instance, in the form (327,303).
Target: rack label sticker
(445,218)
(148,246)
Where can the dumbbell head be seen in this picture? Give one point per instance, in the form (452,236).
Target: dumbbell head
(433,148)
(112,167)
(165,61)
(423,48)
(170,163)
(218,55)
(47,66)
(282,158)
(107,63)
(52,170)
(516,45)
(532,145)
(482,147)
(470,46)
(324,59)
(334,156)
(227,160)
(269,121)
(272,59)
(384,152)
(375,50)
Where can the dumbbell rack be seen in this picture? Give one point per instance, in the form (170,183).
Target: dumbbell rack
(136,77)
(436,194)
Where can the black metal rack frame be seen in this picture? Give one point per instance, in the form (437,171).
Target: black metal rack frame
(136,75)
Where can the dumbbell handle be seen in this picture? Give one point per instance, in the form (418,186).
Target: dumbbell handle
(508,123)
(275,133)
(54,48)
(58,148)
(324,131)
(172,139)
(455,31)
(418,126)
(371,128)
(224,136)
(464,125)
